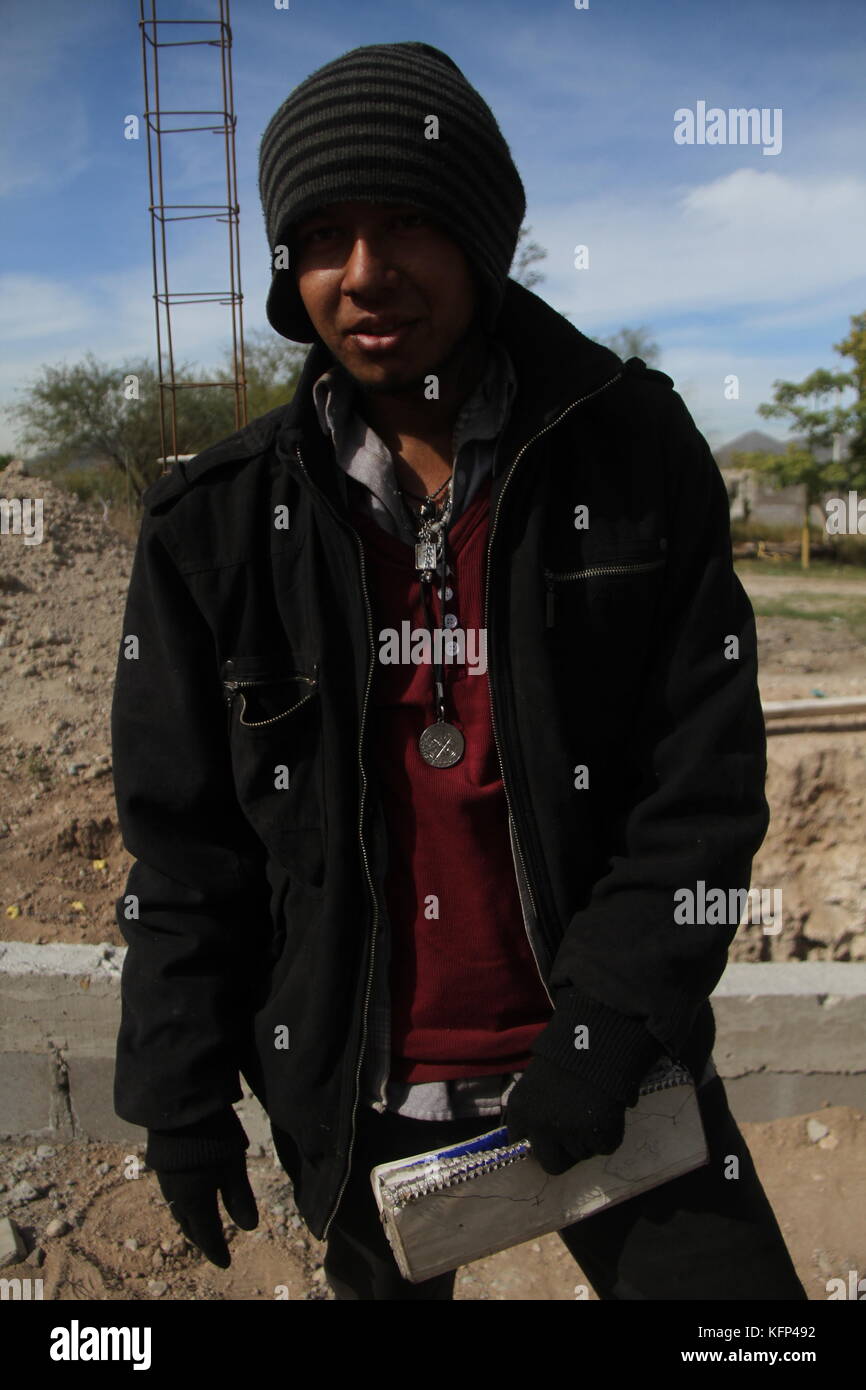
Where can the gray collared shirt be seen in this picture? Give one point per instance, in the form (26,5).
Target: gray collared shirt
(363,456)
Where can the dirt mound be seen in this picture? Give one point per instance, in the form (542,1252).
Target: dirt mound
(61,608)
(815,851)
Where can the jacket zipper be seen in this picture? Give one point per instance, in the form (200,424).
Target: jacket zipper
(370,883)
(552,577)
(364,777)
(231,687)
(522,870)
(523,888)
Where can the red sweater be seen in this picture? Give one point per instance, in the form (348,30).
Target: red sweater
(466,997)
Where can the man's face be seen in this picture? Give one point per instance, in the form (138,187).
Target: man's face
(386,288)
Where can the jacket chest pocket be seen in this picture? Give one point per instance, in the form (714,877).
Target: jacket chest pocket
(600,617)
(276,742)
(603,585)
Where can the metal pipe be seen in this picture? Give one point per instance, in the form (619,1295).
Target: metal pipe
(779,709)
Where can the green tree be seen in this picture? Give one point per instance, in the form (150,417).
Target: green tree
(526,253)
(634,342)
(805,405)
(854,346)
(273,366)
(112,411)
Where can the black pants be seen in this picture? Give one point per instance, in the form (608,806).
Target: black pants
(699,1236)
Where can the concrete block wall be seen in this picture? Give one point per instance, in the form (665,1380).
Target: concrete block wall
(790,1036)
(59,1015)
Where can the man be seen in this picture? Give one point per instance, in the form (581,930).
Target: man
(429,716)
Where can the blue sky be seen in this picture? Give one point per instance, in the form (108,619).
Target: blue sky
(739,262)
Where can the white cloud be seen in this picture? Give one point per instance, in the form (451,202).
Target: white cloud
(759,263)
(36,307)
(747,238)
(699,375)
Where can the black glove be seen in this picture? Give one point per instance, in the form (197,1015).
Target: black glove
(571,1101)
(195,1163)
(564,1119)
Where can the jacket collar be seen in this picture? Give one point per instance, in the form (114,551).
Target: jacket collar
(555,364)
(554,361)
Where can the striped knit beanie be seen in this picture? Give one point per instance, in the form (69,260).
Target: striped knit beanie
(358,129)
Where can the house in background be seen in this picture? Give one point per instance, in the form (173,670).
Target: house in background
(751,495)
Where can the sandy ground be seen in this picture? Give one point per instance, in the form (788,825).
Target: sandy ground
(122,1243)
(62,865)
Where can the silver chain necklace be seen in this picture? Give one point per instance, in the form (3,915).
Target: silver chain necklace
(440,743)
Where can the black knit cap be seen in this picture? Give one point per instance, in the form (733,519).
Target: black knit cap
(355,130)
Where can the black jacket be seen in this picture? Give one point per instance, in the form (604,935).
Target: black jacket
(252,910)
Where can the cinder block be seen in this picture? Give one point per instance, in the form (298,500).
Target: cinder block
(31,1105)
(91,1095)
(66,996)
(796,1017)
(789,1036)
(778,1095)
